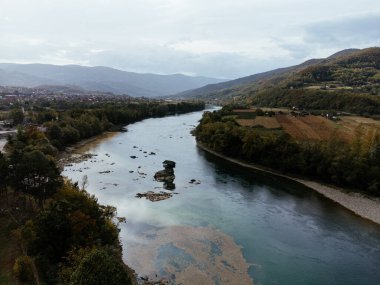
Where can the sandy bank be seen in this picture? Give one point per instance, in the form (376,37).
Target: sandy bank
(364,207)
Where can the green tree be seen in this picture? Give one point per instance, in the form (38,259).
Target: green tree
(54,132)
(23,270)
(35,174)
(70,135)
(73,219)
(101,267)
(16,116)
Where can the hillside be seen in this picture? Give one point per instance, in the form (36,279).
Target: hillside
(348,80)
(99,78)
(256,78)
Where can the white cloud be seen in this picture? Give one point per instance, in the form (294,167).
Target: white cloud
(224,38)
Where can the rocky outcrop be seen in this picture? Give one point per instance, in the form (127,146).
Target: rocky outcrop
(166,175)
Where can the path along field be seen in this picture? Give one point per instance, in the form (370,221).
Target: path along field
(314,127)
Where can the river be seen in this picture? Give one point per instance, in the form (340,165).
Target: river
(231,226)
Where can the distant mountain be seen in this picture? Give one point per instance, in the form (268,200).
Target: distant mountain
(99,78)
(348,80)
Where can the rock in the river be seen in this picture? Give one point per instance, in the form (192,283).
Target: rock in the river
(193,181)
(168,164)
(154,197)
(169,185)
(166,175)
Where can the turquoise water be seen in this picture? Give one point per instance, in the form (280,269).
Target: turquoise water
(288,233)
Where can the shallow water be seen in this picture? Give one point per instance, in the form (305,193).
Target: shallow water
(233,226)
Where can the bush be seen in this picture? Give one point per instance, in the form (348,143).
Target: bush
(23,269)
(101,267)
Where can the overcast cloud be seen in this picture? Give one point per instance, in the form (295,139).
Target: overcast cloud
(218,38)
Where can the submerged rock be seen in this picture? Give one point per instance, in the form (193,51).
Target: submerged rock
(193,181)
(169,185)
(154,197)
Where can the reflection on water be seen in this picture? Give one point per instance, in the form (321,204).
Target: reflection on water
(188,255)
(292,235)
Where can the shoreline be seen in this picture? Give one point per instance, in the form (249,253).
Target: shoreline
(362,206)
(68,154)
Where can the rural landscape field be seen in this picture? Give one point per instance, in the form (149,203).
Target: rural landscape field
(309,127)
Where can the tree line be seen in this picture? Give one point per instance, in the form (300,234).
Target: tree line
(355,164)
(338,100)
(71,122)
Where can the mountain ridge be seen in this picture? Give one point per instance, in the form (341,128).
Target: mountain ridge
(99,78)
(256,78)
(346,81)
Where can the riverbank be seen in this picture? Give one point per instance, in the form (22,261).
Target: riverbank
(73,153)
(362,206)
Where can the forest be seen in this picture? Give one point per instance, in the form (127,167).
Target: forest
(354,165)
(59,233)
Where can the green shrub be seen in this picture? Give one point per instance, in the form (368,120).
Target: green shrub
(23,269)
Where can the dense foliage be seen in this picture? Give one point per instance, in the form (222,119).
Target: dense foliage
(64,219)
(354,165)
(363,104)
(67,126)
(109,268)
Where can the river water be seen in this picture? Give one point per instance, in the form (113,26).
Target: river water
(230,227)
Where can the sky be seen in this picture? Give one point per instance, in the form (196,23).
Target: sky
(214,38)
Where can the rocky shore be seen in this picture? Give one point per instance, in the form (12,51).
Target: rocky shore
(365,207)
(78,152)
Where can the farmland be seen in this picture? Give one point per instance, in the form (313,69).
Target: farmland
(310,127)
(266,122)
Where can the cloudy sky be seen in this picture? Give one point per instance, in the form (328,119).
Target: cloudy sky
(218,38)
